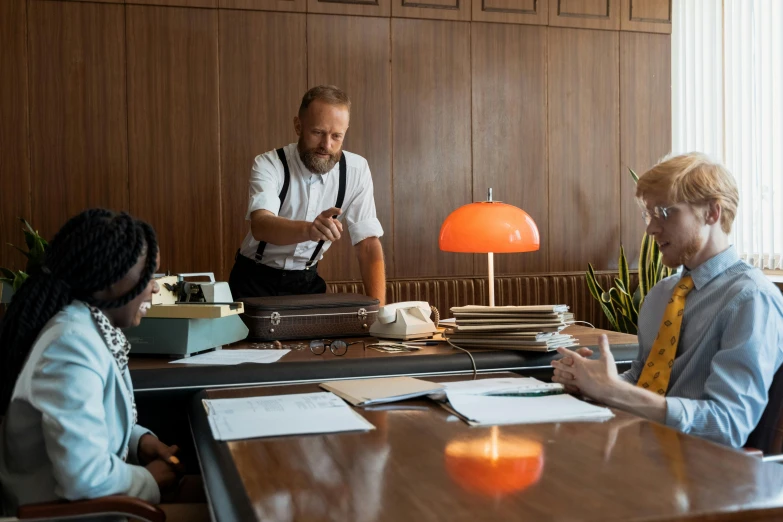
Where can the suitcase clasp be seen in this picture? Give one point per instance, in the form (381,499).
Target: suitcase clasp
(275,318)
(362,313)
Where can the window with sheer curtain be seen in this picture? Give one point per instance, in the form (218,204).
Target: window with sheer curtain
(727,101)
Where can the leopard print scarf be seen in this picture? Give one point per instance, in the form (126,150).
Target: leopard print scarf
(119,346)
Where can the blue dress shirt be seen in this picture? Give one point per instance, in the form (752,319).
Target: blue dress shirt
(731,345)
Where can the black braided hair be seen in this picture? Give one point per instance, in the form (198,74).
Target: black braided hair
(91,252)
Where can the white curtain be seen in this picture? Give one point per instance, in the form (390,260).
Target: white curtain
(727,101)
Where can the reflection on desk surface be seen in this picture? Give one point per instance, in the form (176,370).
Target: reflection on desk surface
(420,465)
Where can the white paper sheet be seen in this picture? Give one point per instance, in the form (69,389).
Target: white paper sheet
(229,357)
(502,385)
(488,410)
(296,414)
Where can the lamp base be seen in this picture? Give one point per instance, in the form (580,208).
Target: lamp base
(491,270)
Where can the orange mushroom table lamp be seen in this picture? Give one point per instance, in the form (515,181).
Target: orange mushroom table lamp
(489,227)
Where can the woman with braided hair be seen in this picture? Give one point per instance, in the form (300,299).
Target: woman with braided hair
(66,401)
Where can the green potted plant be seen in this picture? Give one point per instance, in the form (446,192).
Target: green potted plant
(36,248)
(619,303)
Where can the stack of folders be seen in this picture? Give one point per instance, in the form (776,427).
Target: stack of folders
(535,328)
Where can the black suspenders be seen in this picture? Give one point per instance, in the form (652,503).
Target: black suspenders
(339,204)
(284,193)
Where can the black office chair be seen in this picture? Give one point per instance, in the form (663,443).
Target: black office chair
(768,434)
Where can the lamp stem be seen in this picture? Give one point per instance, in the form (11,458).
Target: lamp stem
(491,269)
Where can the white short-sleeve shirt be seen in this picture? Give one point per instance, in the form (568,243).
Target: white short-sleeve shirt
(308,195)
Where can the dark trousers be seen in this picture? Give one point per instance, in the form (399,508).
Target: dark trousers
(251,279)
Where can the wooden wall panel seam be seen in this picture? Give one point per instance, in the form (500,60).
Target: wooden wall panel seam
(127,107)
(29,176)
(391,158)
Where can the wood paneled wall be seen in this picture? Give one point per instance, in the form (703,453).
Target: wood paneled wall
(158,107)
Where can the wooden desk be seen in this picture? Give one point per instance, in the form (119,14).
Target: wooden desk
(415,466)
(152,375)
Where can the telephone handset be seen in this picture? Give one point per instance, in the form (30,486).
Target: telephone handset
(408,320)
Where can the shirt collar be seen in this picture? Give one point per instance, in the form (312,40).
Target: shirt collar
(306,172)
(713,267)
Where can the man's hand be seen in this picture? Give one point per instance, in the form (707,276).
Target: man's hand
(325,227)
(593,378)
(151,449)
(585,352)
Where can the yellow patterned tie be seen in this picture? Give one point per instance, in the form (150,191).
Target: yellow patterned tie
(658,369)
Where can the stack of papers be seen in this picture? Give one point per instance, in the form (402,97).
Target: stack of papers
(365,392)
(233,356)
(535,328)
(297,414)
(517,401)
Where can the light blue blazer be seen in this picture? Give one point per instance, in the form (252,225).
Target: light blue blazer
(70,419)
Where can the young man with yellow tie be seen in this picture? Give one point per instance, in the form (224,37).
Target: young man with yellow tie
(711,336)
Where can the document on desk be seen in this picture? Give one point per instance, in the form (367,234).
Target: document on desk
(518,401)
(231,357)
(272,416)
(365,392)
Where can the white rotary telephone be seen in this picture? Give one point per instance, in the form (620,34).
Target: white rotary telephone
(405,321)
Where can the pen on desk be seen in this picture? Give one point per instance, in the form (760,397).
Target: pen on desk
(542,393)
(422,343)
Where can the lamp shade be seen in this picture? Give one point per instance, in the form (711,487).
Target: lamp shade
(489,226)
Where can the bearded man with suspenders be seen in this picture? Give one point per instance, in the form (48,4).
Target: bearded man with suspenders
(301,195)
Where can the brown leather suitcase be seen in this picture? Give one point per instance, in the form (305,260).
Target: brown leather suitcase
(316,316)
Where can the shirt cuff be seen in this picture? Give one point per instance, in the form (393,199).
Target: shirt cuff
(133,445)
(364,229)
(627,377)
(263,201)
(675,413)
(144,485)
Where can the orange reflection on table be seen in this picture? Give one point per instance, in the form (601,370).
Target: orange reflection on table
(494,465)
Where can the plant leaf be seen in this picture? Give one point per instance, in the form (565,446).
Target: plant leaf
(633,175)
(625,275)
(20,278)
(27,226)
(621,288)
(29,239)
(592,283)
(610,315)
(644,253)
(626,325)
(19,249)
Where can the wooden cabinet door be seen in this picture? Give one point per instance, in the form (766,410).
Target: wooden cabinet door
(436,9)
(585,14)
(350,7)
(291,6)
(647,16)
(511,11)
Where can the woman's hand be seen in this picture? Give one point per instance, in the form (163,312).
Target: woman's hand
(164,474)
(151,449)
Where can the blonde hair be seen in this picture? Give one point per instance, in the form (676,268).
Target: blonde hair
(695,179)
(326,93)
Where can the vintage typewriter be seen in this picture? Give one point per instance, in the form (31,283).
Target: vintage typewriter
(188,317)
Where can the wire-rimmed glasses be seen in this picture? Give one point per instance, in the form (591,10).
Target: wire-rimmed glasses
(659,213)
(338,347)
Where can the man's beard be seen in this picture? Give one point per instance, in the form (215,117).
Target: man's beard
(316,164)
(691,246)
